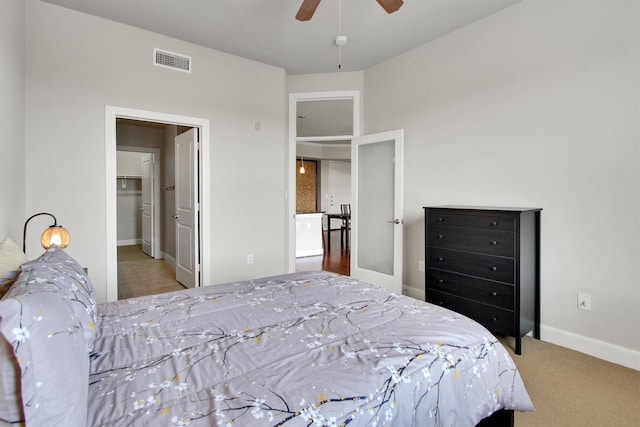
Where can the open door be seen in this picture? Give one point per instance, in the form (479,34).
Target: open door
(339,184)
(376,209)
(187,209)
(148,205)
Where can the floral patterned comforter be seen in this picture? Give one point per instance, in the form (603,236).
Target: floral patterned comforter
(295,350)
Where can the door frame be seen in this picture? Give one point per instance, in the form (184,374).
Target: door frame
(156,191)
(112,113)
(290,191)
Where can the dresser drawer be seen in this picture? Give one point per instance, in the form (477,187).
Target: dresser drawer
(485,291)
(493,318)
(494,242)
(496,268)
(488,222)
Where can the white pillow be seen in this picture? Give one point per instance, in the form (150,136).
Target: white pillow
(11,258)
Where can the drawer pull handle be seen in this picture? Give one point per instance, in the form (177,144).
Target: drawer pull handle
(440,258)
(494,294)
(440,281)
(494,243)
(494,223)
(494,268)
(440,302)
(440,219)
(440,236)
(494,319)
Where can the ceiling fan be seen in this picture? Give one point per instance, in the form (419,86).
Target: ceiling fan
(308,7)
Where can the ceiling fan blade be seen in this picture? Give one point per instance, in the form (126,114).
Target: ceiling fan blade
(307,9)
(390,5)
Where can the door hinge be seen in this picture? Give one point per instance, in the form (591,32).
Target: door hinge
(197,207)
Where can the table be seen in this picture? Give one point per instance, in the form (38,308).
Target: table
(341,217)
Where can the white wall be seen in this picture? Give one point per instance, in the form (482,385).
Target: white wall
(534,106)
(12,155)
(325,82)
(77,64)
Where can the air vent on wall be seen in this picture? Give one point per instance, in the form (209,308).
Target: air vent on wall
(175,61)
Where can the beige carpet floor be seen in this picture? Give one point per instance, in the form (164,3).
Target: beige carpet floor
(569,388)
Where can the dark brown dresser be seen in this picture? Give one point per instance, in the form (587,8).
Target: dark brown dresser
(484,262)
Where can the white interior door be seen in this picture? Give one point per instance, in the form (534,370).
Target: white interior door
(376,209)
(148,205)
(187,209)
(339,185)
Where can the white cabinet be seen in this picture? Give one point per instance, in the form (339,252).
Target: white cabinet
(308,234)
(129,164)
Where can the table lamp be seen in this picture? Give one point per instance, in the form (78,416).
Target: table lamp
(54,235)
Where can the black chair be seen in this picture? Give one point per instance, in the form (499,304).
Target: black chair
(345,227)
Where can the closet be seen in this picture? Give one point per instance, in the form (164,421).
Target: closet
(129,197)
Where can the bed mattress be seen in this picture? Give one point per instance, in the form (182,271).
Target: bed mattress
(295,350)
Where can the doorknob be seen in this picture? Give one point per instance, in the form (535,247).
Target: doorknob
(176,216)
(396,221)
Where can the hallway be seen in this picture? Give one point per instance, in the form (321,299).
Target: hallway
(336,258)
(139,274)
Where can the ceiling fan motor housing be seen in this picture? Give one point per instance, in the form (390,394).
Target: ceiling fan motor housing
(341,40)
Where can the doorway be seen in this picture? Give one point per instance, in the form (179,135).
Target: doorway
(201,183)
(383,150)
(323,123)
(144,166)
(139,197)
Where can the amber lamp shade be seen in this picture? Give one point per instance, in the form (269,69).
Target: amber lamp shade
(55,235)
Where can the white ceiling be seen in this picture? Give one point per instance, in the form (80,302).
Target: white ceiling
(267,31)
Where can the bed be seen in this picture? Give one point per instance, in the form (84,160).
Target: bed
(303,349)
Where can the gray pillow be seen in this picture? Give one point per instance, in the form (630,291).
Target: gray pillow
(10,394)
(45,319)
(58,269)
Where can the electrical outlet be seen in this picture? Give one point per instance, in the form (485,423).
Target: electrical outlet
(250,259)
(584,301)
(421,266)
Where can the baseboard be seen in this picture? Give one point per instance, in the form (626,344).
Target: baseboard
(129,242)
(596,348)
(309,252)
(169,259)
(413,292)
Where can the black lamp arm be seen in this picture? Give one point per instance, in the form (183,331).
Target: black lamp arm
(24,231)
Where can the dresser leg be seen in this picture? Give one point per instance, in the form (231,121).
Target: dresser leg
(518,345)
